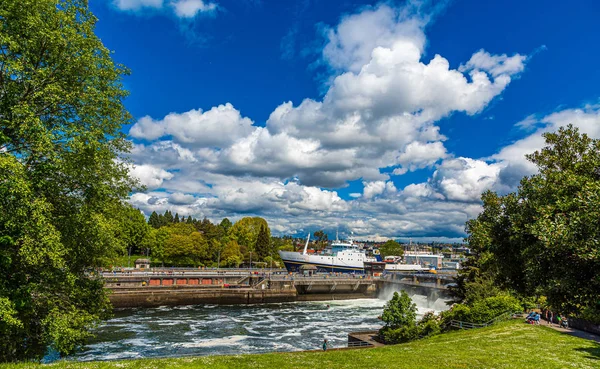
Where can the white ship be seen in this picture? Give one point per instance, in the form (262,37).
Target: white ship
(345,257)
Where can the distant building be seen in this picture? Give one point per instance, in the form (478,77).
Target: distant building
(142,263)
(424,259)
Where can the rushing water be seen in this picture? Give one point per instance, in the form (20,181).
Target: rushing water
(220,330)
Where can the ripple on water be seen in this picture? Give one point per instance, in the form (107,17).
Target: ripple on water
(214,329)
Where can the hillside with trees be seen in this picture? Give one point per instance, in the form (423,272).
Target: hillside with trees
(172,240)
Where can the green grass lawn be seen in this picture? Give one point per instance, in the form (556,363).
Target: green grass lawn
(505,345)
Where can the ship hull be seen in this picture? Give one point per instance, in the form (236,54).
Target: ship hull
(294,260)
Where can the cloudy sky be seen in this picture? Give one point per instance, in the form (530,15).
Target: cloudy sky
(385,118)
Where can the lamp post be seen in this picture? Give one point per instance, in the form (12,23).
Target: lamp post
(250,261)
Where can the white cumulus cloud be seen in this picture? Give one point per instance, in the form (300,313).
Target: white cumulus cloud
(180,8)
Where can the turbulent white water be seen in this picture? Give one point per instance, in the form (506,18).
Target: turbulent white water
(221,330)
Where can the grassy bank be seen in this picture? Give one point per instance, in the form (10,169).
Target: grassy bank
(506,345)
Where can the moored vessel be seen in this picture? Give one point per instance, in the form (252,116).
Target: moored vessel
(344,257)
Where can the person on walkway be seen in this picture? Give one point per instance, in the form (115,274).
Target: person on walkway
(325,345)
(530,317)
(550,317)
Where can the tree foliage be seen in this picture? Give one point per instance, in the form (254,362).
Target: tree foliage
(321,239)
(185,245)
(545,238)
(399,316)
(263,244)
(62,176)
(246,230)
(399,311)
(391,248)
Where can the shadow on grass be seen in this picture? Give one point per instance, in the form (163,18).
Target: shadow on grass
(594,352)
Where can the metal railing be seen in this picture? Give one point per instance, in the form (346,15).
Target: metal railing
(468,325)
(359,344)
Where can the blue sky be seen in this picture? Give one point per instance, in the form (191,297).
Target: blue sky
(414,108)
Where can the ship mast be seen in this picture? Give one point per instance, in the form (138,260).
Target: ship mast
(306,246)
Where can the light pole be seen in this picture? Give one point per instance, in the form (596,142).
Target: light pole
(219,260)
(250,261)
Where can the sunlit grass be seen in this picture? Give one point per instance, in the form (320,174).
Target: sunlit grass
(506,345)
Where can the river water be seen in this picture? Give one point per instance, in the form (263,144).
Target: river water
(221,330)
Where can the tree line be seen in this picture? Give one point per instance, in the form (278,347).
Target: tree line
(172,240)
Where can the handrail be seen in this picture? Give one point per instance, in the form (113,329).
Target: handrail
(359,344)
(469,325)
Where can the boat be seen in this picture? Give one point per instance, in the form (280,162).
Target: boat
(344,257)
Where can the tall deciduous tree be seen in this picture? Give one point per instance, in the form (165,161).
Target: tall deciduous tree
(391,248)
(545,238)
(62,177)
(245,231)
(399,311)
(185,245)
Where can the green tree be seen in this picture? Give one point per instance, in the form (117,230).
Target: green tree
(155,241)
(321,239)
(399,311)
(226,224)
(391,248)
(263,244)
(245,231)
(168,218)
(185,245)
(154,220)
(134,229)
(543,239)
(399,316)
(62,174)
(231,255)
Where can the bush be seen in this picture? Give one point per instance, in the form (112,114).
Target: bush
(591,314)
(429,325)
(399,335)
(483,311)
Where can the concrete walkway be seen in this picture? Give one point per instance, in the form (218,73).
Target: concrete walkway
(574,332)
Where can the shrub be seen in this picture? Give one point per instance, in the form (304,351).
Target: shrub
(399,335)
(591,314)
(429,325)
(483,311)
